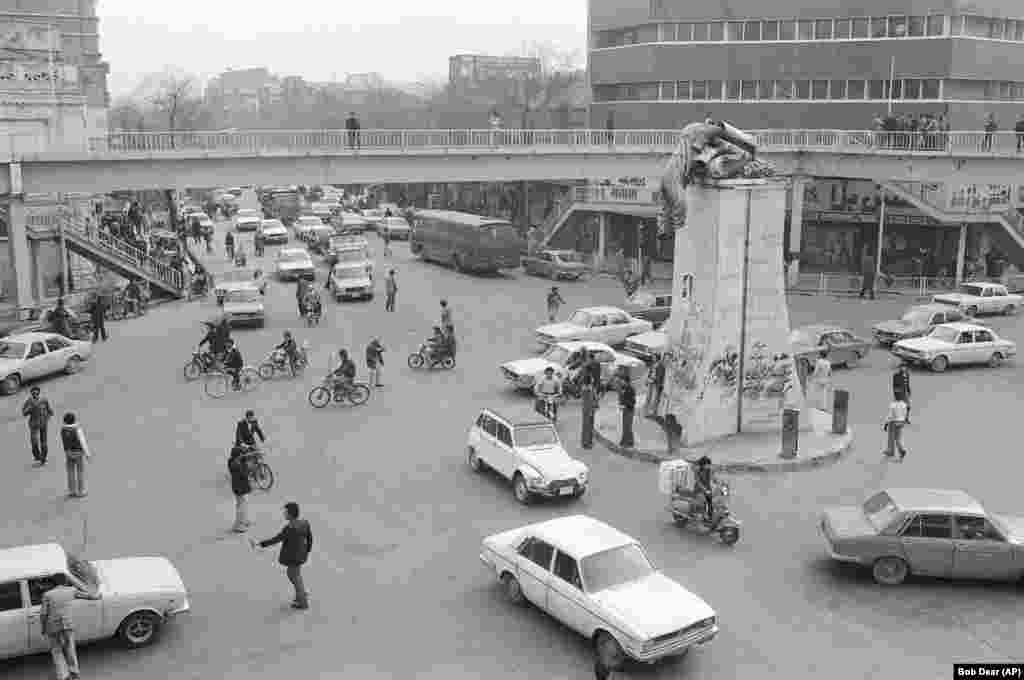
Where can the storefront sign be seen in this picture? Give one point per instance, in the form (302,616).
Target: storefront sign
(30,75)
(28,37)
(868,218)
(981,196)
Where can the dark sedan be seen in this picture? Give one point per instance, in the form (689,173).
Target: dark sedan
(843,347)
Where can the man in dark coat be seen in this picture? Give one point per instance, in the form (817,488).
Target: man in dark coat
(588,396)
(867,270)
(98,312)
(38,411)
(627,402)
(247,430)
(901,387)
(238,468)
(352,126)
(296,539)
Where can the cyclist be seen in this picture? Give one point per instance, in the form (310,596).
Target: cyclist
(345,373)
(247,430)
(548,390)
(291,351)
(233,364)
(437,344)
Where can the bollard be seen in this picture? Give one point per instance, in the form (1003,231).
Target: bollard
(840,409)
(790,432)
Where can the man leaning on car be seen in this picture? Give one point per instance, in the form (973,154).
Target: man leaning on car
(57,625)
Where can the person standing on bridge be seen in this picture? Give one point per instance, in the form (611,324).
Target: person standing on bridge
(1018,127)
(990,127)
(353,127)
(609,124)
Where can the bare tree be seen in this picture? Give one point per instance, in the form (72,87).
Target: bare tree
(126,115)
(559,71)
(176,100)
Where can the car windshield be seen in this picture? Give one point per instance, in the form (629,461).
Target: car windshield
(310,221)
(351,256)
(350,273)
(580,319)
(12,350)
(535,435)
(945,334)
(273,225)
(556,355)
(917,317)
(971,289)
(570,256)
(880,510)
(615,567)
(291,256)
(242,296)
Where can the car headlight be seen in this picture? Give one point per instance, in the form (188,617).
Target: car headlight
(534,477)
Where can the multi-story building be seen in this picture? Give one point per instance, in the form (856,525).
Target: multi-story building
(235,94)
(53,80)
(786,64)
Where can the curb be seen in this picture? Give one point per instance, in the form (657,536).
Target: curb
(831,455)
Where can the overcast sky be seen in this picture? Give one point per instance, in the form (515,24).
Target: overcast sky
(401,39)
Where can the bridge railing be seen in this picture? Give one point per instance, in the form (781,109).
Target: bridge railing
(412,141)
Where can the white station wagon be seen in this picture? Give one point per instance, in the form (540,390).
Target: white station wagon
(527,451)
(609,325)
(982,298)
(524,373)
(130,598)
(599,582)
(955,344)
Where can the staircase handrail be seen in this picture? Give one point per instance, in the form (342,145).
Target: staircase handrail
(121,248)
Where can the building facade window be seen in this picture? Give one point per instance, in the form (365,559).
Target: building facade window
(894,27)
(901,89)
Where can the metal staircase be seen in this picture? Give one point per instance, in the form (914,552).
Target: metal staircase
(121,257)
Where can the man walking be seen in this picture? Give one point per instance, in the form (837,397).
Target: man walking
(627,402)
(901,387)
(655,385)
(352,125)
(894,423)
(554,302)
(229,245)
(1018,127)
(374,361)
(238,468)
(57,624)
(258,243)
(296,539)
(588,397)
(446,317)
(39,412)
(390,290)
(387,240)
(76,452)
(98,315)
(867,271)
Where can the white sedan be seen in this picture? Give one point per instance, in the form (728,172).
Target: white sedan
(273,231)
(28,356)
(247,223)
(396,228)
(128,598)
(609,325)
(599,582)
(293,264)
(523,373)
(305,224)
(955,344)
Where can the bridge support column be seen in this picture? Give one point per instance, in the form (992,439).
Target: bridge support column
(961,253)
(65,265)
(602,239)
(796,228)
(524,211)
(17,232)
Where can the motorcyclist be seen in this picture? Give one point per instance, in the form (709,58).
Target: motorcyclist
(548,390)
(311,303)
(703,484)
(233,364)
(345,373)
(577,360)
(59,319)
(291,351)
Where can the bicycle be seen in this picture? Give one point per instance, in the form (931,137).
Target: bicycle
(277,362)
(425,357)
(331,389)
(547,406)
(199,365)
(259,473)
(218,383)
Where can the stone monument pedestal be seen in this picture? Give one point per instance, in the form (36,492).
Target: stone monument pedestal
(732,369)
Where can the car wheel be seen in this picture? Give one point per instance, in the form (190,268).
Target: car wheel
(853,361)
(10,384)
(139,629)
(890,571)
(475,464)
(995,360)
(266,371)
(74,365)
(513,591)
(519,488)
(1010,310)
(972,311)
(609,650)
(939,364)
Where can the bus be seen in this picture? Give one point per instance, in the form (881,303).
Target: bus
(464,241)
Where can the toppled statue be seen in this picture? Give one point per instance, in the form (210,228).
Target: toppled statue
(708,150)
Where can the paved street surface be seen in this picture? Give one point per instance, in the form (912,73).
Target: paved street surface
(397,589)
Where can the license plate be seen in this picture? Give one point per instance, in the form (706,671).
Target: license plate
(565,491)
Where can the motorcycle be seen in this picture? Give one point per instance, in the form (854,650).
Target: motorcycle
(199,365)
(276,363)
(688,507)
(425,357)
(332,390)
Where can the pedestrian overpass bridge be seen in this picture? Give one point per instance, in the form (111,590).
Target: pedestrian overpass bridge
(145,160)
